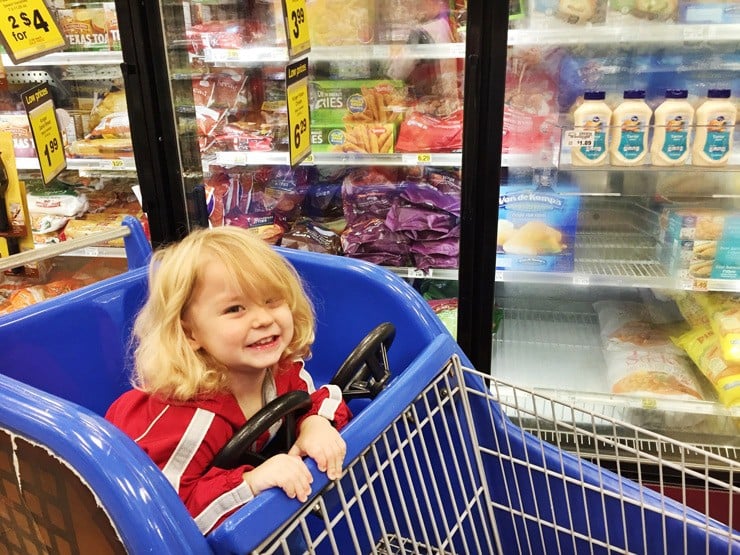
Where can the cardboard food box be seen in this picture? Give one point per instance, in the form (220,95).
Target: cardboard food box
(546,13)
(85,28)
(537,228)
(358,101)
(370,138)
(727,260)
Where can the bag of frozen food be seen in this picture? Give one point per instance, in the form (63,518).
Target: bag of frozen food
(723,311)
(633,325)
(651,374)
(702,346)
(690,309)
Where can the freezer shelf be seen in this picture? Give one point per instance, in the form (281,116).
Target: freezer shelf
(557,353)
(667,33)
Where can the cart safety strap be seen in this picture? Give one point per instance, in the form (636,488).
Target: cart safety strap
(186,449)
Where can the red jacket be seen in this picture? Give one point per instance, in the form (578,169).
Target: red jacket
(182,438)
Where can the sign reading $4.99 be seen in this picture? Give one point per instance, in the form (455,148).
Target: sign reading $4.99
(299,128)
(45,128)
(28,30)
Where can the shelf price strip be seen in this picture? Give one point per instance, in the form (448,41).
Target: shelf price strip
(45,129)
(299,127)
(28,30)
(296,27)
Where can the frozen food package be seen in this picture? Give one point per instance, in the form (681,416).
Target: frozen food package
(341,22)
(702,346)
(723,311)
(626,12)
(549,13)
(651,374)
(634,325)
(690,309)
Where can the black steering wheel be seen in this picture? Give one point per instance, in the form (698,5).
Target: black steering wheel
(238,450)
(364,373)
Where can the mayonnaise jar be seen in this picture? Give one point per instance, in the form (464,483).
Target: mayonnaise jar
(630,129)
(715,125)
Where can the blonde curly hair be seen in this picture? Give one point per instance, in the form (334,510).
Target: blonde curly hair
(164,362)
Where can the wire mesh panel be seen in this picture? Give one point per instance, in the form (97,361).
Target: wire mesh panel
(454,474)
(416,489)
(569,502)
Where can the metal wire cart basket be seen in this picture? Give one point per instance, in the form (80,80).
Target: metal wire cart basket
(439,462)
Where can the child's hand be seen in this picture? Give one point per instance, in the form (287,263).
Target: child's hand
(288,472)
(319,440)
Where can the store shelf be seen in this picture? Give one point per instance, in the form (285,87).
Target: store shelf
(333,159)
(99,252)
(431,273)
(557,353)
(69,58)
(277,54)
(83,164)
(443,159)
(651,32)
(617,259)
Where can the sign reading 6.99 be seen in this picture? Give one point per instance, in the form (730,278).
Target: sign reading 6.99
(296,27)
(296,83)
(28,30)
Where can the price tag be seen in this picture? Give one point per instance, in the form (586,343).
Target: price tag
(579,138)
(296,27)
(28,30)
(296,83)
(580,279)
(45,129)
(416,273)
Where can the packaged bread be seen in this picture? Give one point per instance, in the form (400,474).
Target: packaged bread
(111,102)
(702,346)
(95,223)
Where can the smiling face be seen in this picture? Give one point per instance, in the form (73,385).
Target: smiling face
(244,334)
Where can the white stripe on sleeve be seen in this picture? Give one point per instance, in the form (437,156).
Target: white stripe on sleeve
(306,377)
(223,505)
(328,408)
(189,444)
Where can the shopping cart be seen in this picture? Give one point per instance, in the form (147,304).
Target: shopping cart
(438,462)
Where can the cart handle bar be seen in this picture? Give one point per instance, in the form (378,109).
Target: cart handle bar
(55,249)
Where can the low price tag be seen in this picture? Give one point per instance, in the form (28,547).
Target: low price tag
(296,83)
(28,30)
(45,128)
(296,27)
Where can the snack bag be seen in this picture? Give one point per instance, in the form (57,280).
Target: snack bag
(723,311)
(702,346)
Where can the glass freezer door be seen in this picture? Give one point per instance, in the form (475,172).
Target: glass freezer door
(617,253)
(385,88)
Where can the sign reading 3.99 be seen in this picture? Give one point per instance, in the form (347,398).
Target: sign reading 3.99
(28,30)
(296,27)
(45,128)
(296,84)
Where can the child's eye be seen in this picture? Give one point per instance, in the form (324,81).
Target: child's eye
(274,301)
(233,309)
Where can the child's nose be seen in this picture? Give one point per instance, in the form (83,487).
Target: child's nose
(262,316)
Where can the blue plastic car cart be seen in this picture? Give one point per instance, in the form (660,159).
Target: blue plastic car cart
(436,463)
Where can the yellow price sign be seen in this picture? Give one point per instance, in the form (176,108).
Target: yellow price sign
(299,125)
(28,29)
(39,106)
(296,27)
